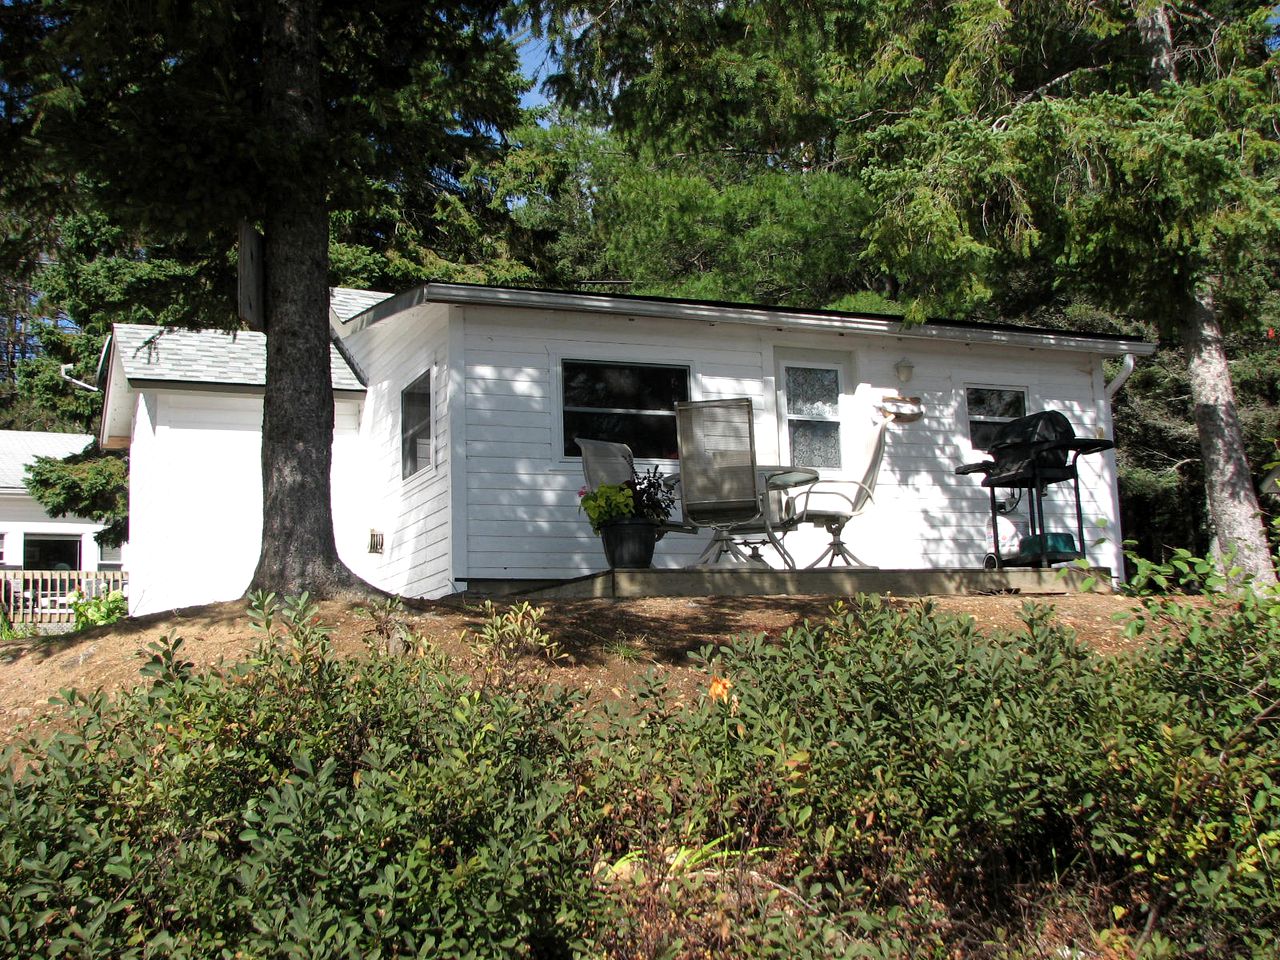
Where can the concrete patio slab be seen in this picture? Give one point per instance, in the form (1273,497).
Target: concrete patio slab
(705,582)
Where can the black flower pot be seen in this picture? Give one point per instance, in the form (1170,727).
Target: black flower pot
(628,544)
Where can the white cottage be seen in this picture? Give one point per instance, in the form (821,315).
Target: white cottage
(456,408)
(30,539)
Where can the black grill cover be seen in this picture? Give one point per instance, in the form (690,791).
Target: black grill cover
(1038,441)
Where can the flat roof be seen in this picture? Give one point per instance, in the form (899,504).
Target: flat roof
(715,311)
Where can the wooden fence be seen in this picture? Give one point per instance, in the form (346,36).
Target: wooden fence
(43,596)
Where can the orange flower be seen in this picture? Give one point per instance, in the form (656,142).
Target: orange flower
(720,687)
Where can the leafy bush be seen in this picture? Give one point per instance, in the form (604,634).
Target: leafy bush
(886,783)
(99,610)
(1190,795)
(299,805)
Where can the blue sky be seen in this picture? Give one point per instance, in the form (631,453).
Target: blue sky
(535,65)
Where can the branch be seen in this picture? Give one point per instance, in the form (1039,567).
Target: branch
(1035,94)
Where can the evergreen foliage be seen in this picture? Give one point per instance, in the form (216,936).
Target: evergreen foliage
(181,122)
(1124,153)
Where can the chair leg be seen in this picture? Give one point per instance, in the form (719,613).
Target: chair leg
(721,545)
(837,549)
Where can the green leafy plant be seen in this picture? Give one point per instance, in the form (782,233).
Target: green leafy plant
(609,501)
(10,631)
(389,629)
(887,782)
(506,636)
(645,495)
(98,610)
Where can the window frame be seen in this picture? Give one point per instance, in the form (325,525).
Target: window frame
(413,435)
(786,417)
(846,384)
(970,418)
(559,437)
(110,558)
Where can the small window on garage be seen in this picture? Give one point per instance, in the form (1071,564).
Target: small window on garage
(415,426)
(991,407)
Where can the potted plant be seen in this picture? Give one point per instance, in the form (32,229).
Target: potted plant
(627,517)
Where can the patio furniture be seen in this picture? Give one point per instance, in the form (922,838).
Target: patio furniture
(834,508)
(722,486)
(606,461)
(1031,454)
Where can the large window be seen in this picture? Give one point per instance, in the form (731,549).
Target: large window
(415,426)
(990,408)
(629,403)
(811,405)
(50,551)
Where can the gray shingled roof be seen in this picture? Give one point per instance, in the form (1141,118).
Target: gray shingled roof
(206,356)
(346,302)
(20,447)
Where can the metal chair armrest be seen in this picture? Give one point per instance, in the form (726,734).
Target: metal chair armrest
(805,497)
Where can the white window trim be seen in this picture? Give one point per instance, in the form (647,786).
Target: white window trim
(1024,389)
(640,357)
(430,468)
(821,360)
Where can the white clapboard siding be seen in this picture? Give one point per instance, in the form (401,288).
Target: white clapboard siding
(522,493)
(413,515)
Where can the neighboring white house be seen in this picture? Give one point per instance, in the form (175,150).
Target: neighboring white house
(456,406)
(30,539)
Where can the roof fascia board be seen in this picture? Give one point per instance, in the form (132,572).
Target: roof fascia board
(139,383)
(779,319)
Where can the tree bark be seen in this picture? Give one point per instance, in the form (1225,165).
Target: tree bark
(1156,34)
(298,548)
(1234,515)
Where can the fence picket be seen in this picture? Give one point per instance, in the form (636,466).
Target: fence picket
(41,596)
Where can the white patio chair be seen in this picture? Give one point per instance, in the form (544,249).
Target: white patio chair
(604,461)
(832,509)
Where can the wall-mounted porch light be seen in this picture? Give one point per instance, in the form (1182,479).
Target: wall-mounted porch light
(905,368)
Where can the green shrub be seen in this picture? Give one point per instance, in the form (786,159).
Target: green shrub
(882,736)
(886,783)
(300,806)
(99,610)
(1191,798)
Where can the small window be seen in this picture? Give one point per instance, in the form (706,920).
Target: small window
(415,426)
(811,397)
(626,403)
(110,558)
(989,408)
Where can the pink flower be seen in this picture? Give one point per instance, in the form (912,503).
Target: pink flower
(582,492)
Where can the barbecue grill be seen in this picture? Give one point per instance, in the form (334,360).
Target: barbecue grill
(1031,454)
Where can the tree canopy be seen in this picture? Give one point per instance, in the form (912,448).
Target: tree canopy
(179,121)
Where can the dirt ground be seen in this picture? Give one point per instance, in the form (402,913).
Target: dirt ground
(609,642)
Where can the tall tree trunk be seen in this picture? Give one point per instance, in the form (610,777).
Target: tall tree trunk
(298,549)
(1233,506)
(1156,34)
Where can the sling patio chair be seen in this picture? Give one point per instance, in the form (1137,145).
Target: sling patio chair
(721,482)
(833,509)
(606,461)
